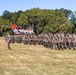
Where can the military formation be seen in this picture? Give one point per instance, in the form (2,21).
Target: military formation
(58,41)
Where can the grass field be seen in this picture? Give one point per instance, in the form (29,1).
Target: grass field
(35,60)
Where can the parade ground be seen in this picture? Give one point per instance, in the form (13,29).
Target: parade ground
(35,60)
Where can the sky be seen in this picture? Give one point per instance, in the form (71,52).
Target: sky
(16,5)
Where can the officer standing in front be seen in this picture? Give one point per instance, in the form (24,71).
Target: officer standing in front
(8,40)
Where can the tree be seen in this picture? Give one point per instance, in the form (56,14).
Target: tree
(65,11)
(4,22)
(22,20)
(67,27)
(6,15)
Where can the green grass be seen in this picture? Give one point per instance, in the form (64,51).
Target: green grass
(35,60)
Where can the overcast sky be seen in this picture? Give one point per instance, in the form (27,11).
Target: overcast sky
(16,5)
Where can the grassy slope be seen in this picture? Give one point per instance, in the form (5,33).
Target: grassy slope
(35,60)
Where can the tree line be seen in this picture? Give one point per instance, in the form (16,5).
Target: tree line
(41,20)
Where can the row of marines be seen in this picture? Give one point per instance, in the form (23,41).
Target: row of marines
(58,41)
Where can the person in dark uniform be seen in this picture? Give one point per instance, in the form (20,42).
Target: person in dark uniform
(8,40)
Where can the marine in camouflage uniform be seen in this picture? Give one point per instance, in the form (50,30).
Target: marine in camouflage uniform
(8,40)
